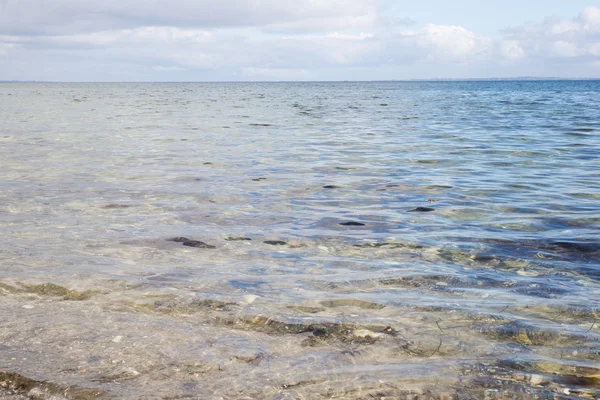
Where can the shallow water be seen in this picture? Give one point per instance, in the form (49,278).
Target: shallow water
(300,240)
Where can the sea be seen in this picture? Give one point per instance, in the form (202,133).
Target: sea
(325,240)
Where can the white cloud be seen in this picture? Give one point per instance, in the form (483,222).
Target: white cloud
(561,38)
(5,47)
(511,50)
(594,49)
(162,68)
(274,39)
(78,16)
(447,41)
(563,27)
(590,19)
(275,73)
(562,48)
(148,34)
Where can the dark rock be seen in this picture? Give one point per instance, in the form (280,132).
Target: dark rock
(237,238)
(192,243)
(275,242)
(178,239)
(114,205)
(352,223)
(583,247)
(198,244)
(331,187)
(423,209)
(483,257)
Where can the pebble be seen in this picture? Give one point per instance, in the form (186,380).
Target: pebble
(28,306)
(250,298)
(536,379)
(364,333)
(117,339)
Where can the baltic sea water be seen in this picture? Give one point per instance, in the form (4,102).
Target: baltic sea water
(301,240)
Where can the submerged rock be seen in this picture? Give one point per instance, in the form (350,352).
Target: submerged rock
(352,223)
(392,245)
(198,244)
(116,205)
(275,242)
(372,244)
(307,309)
(366,305)
(483,257)
(422,209)
(321,332)
(179,306)
(192,243)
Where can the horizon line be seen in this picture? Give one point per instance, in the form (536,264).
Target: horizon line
(494,79)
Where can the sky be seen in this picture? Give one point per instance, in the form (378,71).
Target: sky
(299,40)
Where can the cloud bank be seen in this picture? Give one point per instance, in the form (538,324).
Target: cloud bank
(137,40)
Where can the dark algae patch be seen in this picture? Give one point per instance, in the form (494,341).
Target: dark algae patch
(178,306)
(366,305)
(50,289)
(320,331)
(47,290)
(35,389)
(530,335)
(7,289)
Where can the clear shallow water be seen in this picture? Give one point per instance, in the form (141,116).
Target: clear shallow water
(360,292)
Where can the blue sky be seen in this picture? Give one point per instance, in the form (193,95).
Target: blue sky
(231,40)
